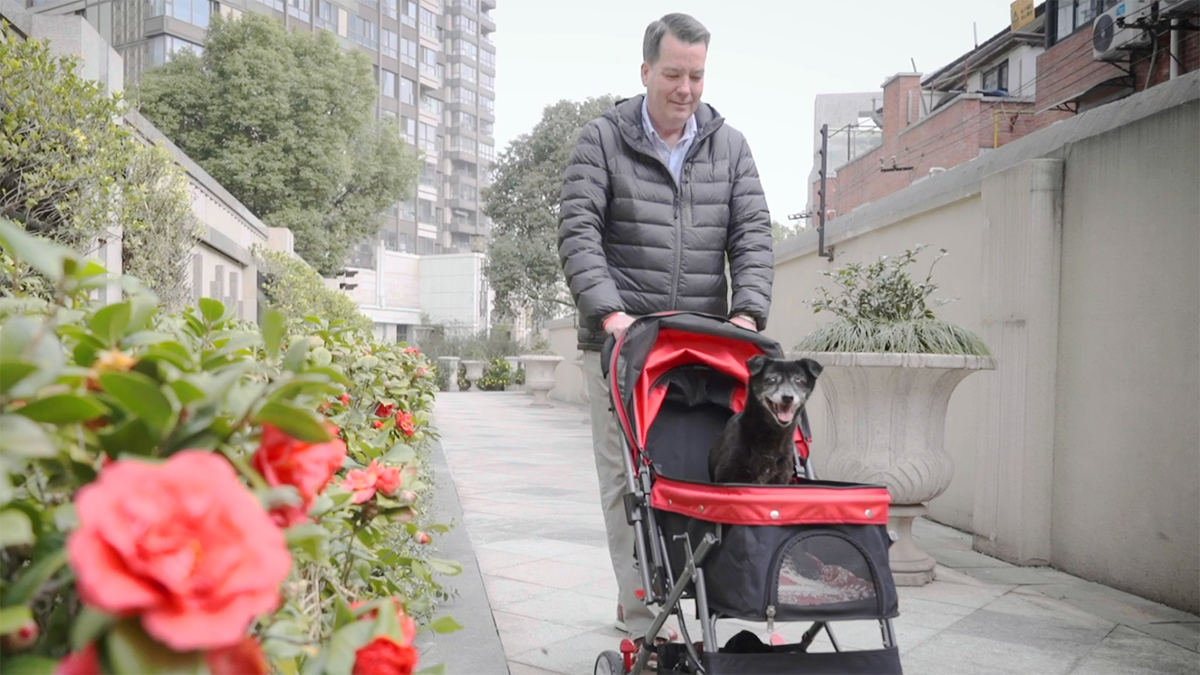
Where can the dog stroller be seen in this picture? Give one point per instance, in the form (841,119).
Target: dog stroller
(809,551)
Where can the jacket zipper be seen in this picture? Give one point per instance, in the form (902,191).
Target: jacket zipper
(687,175)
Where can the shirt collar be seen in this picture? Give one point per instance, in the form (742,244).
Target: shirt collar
(689,129)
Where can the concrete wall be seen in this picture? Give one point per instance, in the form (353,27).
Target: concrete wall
(454,290)
(569,382)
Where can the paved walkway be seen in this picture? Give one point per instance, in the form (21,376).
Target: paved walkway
(527,486)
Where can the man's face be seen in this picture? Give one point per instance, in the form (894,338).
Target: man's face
(675,82)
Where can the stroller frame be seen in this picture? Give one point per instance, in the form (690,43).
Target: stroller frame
(659,582)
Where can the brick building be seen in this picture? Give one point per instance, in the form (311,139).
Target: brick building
(1011,85)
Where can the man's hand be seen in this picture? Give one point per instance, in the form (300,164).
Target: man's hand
(616,323)
(745,321)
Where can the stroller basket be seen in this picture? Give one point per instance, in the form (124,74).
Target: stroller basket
(807,552)
(789,659)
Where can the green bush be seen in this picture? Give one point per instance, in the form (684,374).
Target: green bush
(497,376)
(297,291)
(89,393)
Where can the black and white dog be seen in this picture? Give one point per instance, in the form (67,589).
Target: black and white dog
(758,445)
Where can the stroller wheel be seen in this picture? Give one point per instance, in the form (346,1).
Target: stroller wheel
(609,663)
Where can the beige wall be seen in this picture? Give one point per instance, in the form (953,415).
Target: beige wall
(1127,452)
(955,227)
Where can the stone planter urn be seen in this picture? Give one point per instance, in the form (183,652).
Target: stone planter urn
(449,365)
(888,414)
(539,377)
(474,372)
(419,335)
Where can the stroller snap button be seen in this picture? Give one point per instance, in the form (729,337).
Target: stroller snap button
(774,515)
(869,514)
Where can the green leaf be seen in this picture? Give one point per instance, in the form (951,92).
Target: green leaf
(63,409)
(322,357)
(30,665)
(344,645)
(310,538)
(272,330)
(33,578)
(446,567)
(12,618)
(22,437)
(445,625)
(439,669)
(16,338)
(400,453)
(213,311)
(15,530)
(132,652)
(41,254)
(89,626)
(297,354)
(12,372)
(130,437)
(186,392)
(143,397)
(109,323)
(297,423)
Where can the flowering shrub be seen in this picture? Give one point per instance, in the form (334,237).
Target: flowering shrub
(497,376)
(189,493)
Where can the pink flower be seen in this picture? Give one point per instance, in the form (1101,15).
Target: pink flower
(385,410)
(404,422)
(242,658)
(411,350)
(283,460)
(82,662)
(383,655)
(181,544)
(365,482)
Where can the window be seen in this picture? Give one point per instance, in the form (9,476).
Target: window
(461,47)
(487,103)
(469,25)
(429,27)
(429,62)
(463,71)
(277,4)
(426,212)
(487,151)
(388,83)
(389,8)
(373,4)
(1076,14)
(408,52)
(363,32)
(326,15)
(462,143)
(996,79)
(429,174)
(408,91)
(427,140)
(161,47)
(408,210)
(408,131)
(488,59)
(461,168)
(195,12)
(300,9)
(461,95)
(487,81)
(464,120)
(431,104)
(486,127)
(391,44)
(409,17)
(462,191)
(469,4)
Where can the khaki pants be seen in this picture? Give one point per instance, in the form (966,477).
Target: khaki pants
(610,467)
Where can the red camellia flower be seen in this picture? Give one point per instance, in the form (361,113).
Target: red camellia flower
(283,460)
(378,424)
(421,372)
(365,482)
(82,662)
(385,410)
(404,422)
(243,658)
(411,350)
(345,399)
(382,656)
(181,544)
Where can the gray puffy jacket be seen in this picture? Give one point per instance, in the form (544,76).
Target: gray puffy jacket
(630,239)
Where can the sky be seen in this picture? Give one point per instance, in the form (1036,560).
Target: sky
(767,61)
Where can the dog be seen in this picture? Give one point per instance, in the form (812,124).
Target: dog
(757,445)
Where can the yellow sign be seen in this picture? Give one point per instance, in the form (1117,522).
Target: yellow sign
(1022,14)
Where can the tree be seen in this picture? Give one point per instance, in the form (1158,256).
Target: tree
(69,170)
(297,291)
(780,232)
(522,258)
(285,121)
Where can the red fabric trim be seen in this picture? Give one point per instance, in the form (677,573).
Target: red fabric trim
(794,505)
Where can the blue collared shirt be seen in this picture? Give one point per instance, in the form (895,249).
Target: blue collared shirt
(672,157)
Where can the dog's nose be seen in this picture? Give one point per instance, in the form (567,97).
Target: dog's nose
(787,399)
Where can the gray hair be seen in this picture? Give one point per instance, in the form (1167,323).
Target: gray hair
(685,28)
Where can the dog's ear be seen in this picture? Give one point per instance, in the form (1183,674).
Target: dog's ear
(756,363)
(814,369)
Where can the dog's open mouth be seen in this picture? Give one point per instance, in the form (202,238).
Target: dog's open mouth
(783,412)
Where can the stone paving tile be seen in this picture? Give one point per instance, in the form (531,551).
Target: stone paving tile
(530,500)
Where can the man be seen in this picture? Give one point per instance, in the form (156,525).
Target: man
(659,191)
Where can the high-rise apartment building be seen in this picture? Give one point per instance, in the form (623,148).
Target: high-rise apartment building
(435,63)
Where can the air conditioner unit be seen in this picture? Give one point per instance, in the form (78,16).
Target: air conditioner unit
(1109,41)
(1178,7)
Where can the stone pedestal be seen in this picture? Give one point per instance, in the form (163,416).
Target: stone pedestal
(449,364)
(474,372)
(888,414)
(514,363)
(539,377)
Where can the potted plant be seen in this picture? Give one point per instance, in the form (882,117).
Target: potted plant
(539,367)
(890,367)
(474,365)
